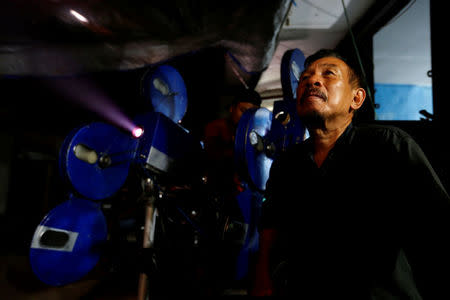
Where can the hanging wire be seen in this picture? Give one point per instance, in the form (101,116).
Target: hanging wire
(241,67)
(369,93)
(310,3)
(230,59)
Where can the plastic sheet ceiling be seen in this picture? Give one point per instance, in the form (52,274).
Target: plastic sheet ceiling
(64,37)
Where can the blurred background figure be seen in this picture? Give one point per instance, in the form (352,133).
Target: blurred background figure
(224,184)
(219,137)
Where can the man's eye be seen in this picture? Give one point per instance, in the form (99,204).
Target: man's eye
(328,72)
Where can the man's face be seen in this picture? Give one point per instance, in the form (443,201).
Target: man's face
(324,91)
(238,109)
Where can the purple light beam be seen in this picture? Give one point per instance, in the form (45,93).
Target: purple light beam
(84,93)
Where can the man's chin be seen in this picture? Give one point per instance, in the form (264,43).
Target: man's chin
(312,119)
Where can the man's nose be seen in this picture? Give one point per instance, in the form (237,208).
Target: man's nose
(314,80)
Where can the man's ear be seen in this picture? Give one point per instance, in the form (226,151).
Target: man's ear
(358,98)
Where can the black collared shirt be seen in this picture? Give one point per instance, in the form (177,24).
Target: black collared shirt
(347,224)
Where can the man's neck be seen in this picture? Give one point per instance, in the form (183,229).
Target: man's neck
(324,140)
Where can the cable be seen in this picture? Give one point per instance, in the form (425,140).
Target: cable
(320,9)
(227,57)
(369,93)
(241,67)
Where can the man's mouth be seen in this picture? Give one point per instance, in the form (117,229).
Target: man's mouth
(313,93)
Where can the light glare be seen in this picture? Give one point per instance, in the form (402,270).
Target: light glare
(79,17)
(137,132)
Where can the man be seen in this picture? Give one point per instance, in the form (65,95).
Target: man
(354,212)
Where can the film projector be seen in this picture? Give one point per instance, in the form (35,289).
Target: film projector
(96,162)
(262,135)
(164,162)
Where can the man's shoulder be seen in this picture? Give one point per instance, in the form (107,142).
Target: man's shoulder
(379,131)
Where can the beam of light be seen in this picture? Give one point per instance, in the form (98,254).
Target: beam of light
(84,93)
(79,16)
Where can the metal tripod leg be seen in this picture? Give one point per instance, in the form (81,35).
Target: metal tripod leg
(148,236)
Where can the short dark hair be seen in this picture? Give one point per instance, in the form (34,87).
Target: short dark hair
(354,74)
(247,95)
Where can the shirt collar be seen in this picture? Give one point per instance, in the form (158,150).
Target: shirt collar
(346,136)
(344,139)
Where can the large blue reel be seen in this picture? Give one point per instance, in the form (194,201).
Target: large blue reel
(287,128)
(251,145)
(291,69)
(95,159)
(166,90)
(67,243)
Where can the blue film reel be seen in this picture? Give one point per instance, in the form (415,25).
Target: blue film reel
(291,69)
(95,159)
(251,145)
(67,243)
(166,90)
